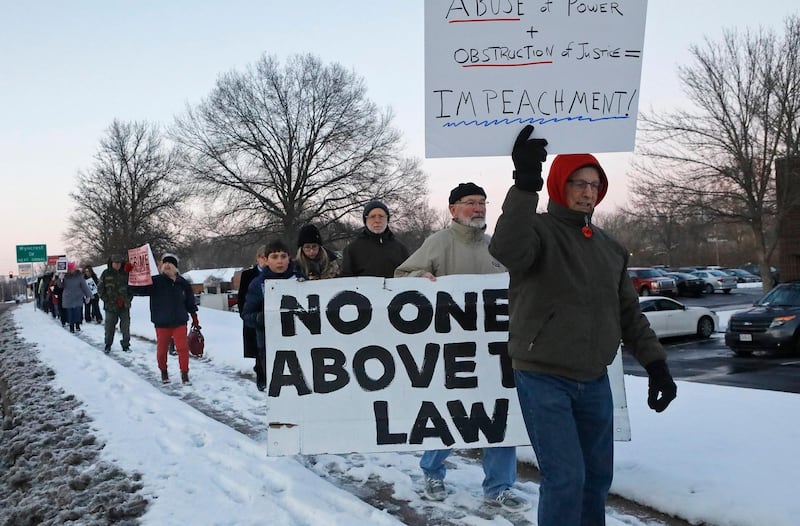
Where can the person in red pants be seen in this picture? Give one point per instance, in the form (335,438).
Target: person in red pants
(171,305)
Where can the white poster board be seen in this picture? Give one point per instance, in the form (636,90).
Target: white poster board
(374,364)
(25,270)
(570,68)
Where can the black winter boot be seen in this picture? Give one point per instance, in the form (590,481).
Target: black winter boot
(185,378)
(164,376)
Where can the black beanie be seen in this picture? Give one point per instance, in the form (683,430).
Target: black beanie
(170,258)
(369,207)
(465,189)
(308,234)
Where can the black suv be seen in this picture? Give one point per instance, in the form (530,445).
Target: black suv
(773,323)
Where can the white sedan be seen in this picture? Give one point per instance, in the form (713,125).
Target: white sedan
(671,318)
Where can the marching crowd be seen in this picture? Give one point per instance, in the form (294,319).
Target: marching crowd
(570,304)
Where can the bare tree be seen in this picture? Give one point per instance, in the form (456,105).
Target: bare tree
(129,197)
(717,158)
(275,147)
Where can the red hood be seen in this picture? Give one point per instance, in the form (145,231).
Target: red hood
(563,166)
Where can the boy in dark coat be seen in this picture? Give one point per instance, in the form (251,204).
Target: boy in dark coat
(278,266)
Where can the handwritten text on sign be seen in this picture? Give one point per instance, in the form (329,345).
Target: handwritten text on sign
(367,364)
(570,68)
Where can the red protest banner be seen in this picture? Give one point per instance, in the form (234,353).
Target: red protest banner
(143,266)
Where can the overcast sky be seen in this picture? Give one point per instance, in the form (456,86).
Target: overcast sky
(70,68)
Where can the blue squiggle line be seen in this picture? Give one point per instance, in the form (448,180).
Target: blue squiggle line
(532,120)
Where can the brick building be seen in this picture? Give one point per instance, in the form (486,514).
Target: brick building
(787,181)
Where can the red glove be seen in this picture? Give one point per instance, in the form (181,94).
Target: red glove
(128,267)
(195,323)
(121,303)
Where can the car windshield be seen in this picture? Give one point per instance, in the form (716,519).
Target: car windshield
(782,296)
(717,273)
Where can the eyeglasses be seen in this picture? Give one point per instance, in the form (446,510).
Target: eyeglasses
(472,204)
(581,185)
(377,216)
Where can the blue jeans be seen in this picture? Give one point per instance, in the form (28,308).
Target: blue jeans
(571,427)
(499,467)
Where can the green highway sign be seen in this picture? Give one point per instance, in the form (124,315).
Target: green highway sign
(31,253)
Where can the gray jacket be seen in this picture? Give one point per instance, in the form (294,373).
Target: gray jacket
(75,290)
(570,298)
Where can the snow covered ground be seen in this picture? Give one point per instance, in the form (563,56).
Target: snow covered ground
(718,455)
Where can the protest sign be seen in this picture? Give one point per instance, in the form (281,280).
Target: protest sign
(572,69)
(374,364)
(143,266)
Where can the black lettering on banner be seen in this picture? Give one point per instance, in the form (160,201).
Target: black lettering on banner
(334,367)
(493,310)
(382,435)
(420,376)
(287,360)
(506,370)
(481,8)
(290,308)
(424,312)
(349,297)
(428,413)
(446,307)
(494,429)
(453,365)
(373,352)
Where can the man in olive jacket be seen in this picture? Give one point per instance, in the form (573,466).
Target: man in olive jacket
(570,304)
(113,290)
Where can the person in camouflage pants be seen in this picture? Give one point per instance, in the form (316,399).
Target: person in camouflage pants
(113,290)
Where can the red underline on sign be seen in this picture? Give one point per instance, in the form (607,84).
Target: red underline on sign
(485,20)
(506,65)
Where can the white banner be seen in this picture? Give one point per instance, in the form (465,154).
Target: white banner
(373,364)
(570,68)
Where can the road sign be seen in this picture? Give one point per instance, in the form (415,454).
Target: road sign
(31,253)
(25,270)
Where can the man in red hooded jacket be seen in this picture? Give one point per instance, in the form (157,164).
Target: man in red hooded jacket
(570,304)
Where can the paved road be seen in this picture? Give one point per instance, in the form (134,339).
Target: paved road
(710,361)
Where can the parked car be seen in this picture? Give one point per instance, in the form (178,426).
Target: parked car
(716,280)
(648,281)
(772,324)
(233,301)
(688,284)
(668,317)
(741,275)
(752,268)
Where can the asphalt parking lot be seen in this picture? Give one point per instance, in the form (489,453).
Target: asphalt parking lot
(710,361)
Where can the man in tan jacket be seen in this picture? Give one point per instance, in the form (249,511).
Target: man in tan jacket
(463,248)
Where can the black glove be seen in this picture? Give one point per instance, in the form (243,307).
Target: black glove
(660,382)
(528,155)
